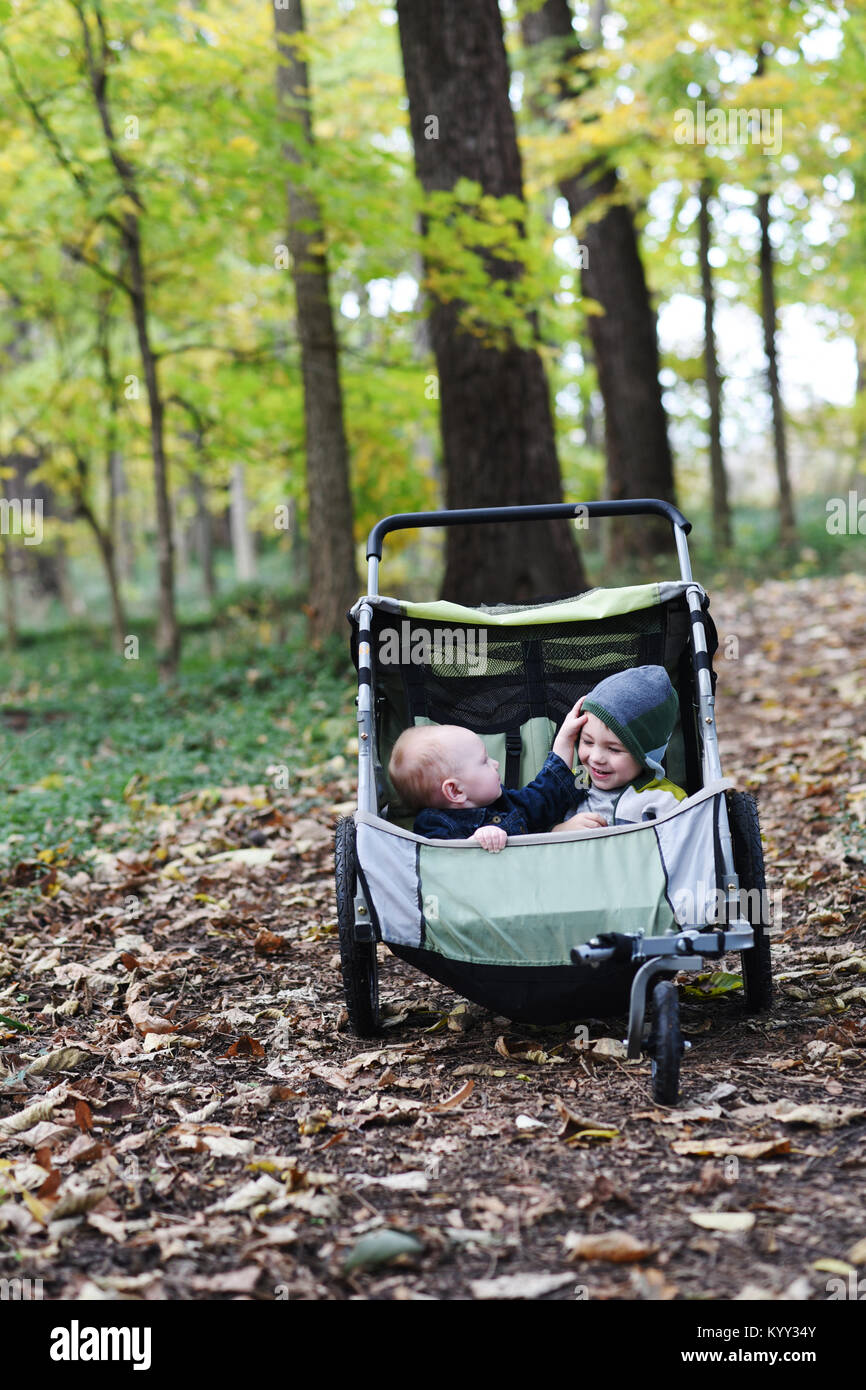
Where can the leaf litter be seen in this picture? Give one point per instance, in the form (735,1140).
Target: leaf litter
(177,1081)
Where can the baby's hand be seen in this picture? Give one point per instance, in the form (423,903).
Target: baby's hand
(584,820)
(490,837)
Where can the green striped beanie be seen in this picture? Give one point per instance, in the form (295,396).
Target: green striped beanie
(640,706)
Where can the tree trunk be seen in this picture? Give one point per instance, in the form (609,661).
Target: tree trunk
(787,520)
(167,631)
(122,532)
(204,537)
(497,426)
(718,476)
(10,599)
(242,540)
(73,603)
(105,543)
(624,337)
(333,575)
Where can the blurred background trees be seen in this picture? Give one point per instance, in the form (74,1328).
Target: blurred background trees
(256,296)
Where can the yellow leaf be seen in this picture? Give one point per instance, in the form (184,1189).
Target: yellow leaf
(37,1209)
(723,1220)
(834,1267)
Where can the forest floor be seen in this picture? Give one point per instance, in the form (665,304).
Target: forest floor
(190,1119)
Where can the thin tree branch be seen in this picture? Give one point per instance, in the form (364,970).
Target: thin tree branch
(98,82)
(76,254)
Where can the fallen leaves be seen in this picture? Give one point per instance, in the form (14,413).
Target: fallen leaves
(454,1100)
(525,1052)
(729,1221)
(718,982)
(381,1247)
(62,1059)
(139,1014)
(578,1130)
(244,1046)
(32,1114)
(731,1148)
(228,945)
(83,1116)
(516,1286)
(614,1247)
(822,1117)
(269,943)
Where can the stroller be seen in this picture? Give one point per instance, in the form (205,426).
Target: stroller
(560,926)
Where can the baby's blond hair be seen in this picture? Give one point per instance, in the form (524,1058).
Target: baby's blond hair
(419,764)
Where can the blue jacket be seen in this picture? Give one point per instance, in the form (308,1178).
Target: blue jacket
(531,810)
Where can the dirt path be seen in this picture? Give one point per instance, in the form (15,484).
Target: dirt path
(190,1119)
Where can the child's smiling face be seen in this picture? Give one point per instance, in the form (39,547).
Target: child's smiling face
(602,753)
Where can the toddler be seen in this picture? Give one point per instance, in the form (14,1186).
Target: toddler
(447,770)
(629,718)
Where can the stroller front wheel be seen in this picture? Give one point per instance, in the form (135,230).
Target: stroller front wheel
(666,1044)
(358,959)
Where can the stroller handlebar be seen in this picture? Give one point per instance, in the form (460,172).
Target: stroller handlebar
(548,511)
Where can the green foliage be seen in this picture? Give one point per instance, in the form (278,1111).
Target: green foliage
(107,750)
(192,98)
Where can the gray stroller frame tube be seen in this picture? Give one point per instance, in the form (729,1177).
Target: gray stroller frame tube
(366,724)
(367,799)
(710,761)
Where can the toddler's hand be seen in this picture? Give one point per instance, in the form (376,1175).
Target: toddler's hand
(569,730)
(584,820)
(574,720)
(490,837)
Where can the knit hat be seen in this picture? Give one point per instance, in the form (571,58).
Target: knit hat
(640,706)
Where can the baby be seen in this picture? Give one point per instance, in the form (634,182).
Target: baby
(628,721)
(447,770)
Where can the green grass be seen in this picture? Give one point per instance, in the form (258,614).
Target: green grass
(94,747)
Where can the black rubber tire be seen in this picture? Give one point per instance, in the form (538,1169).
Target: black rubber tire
(358,958)
(749,865)
(666,1044)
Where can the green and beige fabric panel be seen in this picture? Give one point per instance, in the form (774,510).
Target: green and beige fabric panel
(542,895)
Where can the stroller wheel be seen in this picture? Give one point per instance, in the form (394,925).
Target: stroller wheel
(749,864)
(358,958)
(666,1044)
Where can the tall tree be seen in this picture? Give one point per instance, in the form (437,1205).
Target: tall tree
(497,424)
(333,576)
(624,338)
(787,520)
(98,58)
(718,476)
(7,572)
(202,527)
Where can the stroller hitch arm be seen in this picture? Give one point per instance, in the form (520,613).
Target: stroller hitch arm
(656,955)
